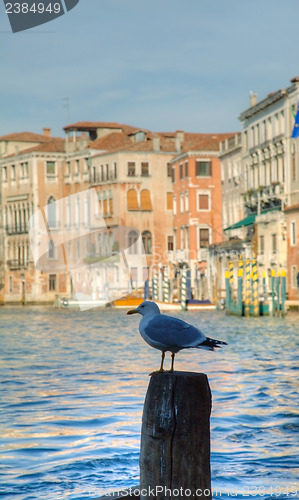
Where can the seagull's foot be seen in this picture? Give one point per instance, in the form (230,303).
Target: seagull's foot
(169,371)
(157,371)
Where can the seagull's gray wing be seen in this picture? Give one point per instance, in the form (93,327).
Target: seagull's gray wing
(173,332)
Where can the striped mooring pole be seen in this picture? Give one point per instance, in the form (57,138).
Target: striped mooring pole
(155,286)
(184,290)
(166,285)
(240,280)
(231,282)
(255,292)
(227,292)
(247,289)
(283,292)
(273,291)
(278,292)
(264,283)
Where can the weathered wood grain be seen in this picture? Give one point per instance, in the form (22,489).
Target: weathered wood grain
(175,437)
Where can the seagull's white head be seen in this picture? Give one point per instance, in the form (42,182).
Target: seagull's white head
(145,308)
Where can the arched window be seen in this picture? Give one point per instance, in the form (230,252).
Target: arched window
(132,243)
(147,241)
(132,200)
(145,200)
(52,212)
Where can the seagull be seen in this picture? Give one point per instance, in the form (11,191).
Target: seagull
(167,333)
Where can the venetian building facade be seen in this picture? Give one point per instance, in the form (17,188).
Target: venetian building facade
(197,205)
(32,179)
(271,168)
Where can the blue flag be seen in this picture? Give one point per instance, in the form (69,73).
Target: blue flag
(295,132)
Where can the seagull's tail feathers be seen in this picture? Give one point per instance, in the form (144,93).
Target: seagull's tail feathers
(210,344)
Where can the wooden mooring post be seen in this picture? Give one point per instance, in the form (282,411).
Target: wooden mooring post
(175,437)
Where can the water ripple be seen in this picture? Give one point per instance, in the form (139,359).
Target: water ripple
(73,386)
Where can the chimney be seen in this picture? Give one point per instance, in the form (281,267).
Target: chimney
(252,98)
(47,132)
(156,143)
(179,138)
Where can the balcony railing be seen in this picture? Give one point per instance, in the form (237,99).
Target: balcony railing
(98,178)
(16,265)
(16,229)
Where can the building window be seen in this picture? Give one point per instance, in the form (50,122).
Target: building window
(68,168)
(147,241)
(169,243)
(174,204)
(132,201)
(4,174)
(181,202)
(77,167)
(182,238)
(51,212)
(293,233)
(24,170)
(294,282)
(10,284)
(274,243)
(13,173)
(105,203)
(51,168)
(145,200)
(52,282)
(131,169)
(51,251)
(186,201)
(203,168)
(204,237)
(110,202)
(186,169)
(115,170)
(169,201)
(203,202)
(181,171)
(133,237)
(262,244)
(169,170)
(144,169)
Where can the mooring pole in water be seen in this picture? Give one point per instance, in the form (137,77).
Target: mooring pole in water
(175,437)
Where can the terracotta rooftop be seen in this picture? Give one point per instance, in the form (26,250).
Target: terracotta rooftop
(119,141)
(112,141)
(203,142)
(93,126)
(53,146)
(27,137)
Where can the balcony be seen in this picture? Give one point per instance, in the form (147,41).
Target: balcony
(16,265)
(16,229)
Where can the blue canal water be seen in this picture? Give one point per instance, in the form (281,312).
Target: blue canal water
(72,391)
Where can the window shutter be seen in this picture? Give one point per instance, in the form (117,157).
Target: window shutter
(132,199)
(169,201)
(145,199)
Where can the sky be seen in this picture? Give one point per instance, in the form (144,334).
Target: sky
(163,65)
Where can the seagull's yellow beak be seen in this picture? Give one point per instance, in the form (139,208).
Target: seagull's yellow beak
(133,311)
